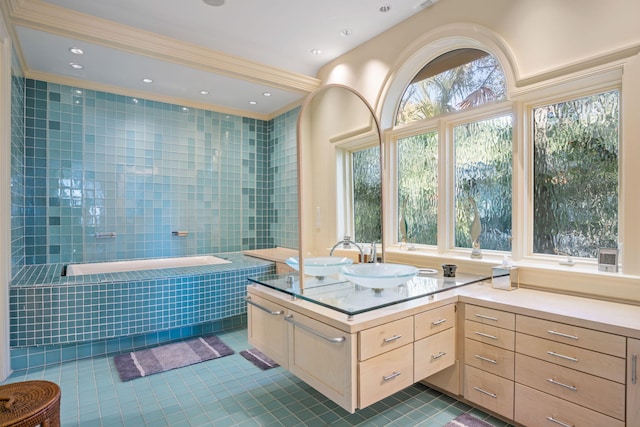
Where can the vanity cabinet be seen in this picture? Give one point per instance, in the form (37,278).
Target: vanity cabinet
(578,373)
(323,357)
(633,382)
(489,358)
(435,341)
(267,329)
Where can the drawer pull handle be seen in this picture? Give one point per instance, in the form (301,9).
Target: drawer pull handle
(553,420)
(634,368)
(289,318)
(486,359)
(263,308)
(389,377)
(482,334)
(495,396)
(562,356)
(393,338)
(484,316)
(437,356)
(438,322)
(560,334)
(570,387)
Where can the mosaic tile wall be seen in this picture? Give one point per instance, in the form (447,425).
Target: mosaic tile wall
(17,174)
(96,162)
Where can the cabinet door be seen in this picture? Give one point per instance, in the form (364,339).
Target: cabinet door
(633,382)
(267,330)
(434,353)
(325,358)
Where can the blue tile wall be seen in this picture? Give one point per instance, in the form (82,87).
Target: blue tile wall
(98,162)
(17,174)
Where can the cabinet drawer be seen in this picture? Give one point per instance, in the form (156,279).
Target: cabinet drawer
(591,362)
(583,389)
(602,342)
(434,353)
(434,321)
(490,316)
(490,334)
(489,358)
(389,336)
(535,409)
(385,374)
(489,391)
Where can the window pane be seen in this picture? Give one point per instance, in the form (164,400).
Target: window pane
(576,176)
(454,81)
(483,169)
(418,188)
(367,195)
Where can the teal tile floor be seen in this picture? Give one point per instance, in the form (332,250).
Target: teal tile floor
(229,391)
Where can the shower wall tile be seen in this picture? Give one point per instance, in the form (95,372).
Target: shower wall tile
(96,162)
(17,173)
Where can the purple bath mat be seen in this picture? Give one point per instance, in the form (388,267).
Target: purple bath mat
(467,420)
(170,356)
(259,359)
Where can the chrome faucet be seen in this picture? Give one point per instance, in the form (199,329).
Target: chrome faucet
(374,253)
(346,243)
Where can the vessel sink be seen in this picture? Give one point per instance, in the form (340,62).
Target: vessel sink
(320,266)
(379,275)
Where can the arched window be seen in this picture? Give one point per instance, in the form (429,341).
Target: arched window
(456,80)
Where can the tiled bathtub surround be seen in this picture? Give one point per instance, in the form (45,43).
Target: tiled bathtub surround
(51,310)
(96,162)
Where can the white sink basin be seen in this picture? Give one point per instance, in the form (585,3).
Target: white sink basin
(379,275)
(320,266)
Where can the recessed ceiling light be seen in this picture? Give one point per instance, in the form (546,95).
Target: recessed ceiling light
(76,50)
(346,32)
(76,65)
(147,80)
(385,8)
(204,92)
(252,102)
(316,51)
(266,94)
(214,2)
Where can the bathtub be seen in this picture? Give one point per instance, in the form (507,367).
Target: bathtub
(143,264)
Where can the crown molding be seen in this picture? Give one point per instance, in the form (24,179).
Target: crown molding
(41,16)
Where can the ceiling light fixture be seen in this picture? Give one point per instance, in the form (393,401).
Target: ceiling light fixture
(346,32)
(76,50)
(76,65)
(204,92)
(146,80)
(266,94)
(385,8)
(214,2)
(316,52)
(253,102)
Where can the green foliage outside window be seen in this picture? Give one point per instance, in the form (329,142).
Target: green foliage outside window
(575,186)
(367,195)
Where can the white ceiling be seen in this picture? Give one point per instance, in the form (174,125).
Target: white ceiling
(237,51)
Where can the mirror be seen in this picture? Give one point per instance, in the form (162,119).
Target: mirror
(337,129)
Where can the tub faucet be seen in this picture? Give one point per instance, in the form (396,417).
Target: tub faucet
(346,243)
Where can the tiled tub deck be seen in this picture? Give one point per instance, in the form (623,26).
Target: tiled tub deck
(55,318)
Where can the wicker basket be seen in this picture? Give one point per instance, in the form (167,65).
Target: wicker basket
(30,403)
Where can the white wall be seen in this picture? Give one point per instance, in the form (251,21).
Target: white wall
(5,195)
(539,42)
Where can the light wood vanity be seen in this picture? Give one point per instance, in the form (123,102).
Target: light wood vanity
(532,358)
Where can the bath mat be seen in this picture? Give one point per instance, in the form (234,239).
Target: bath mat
(259,359)
(467,420)
(170,356)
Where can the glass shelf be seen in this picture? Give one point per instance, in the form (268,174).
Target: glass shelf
(346,297)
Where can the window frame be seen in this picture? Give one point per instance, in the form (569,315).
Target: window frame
(520,103)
